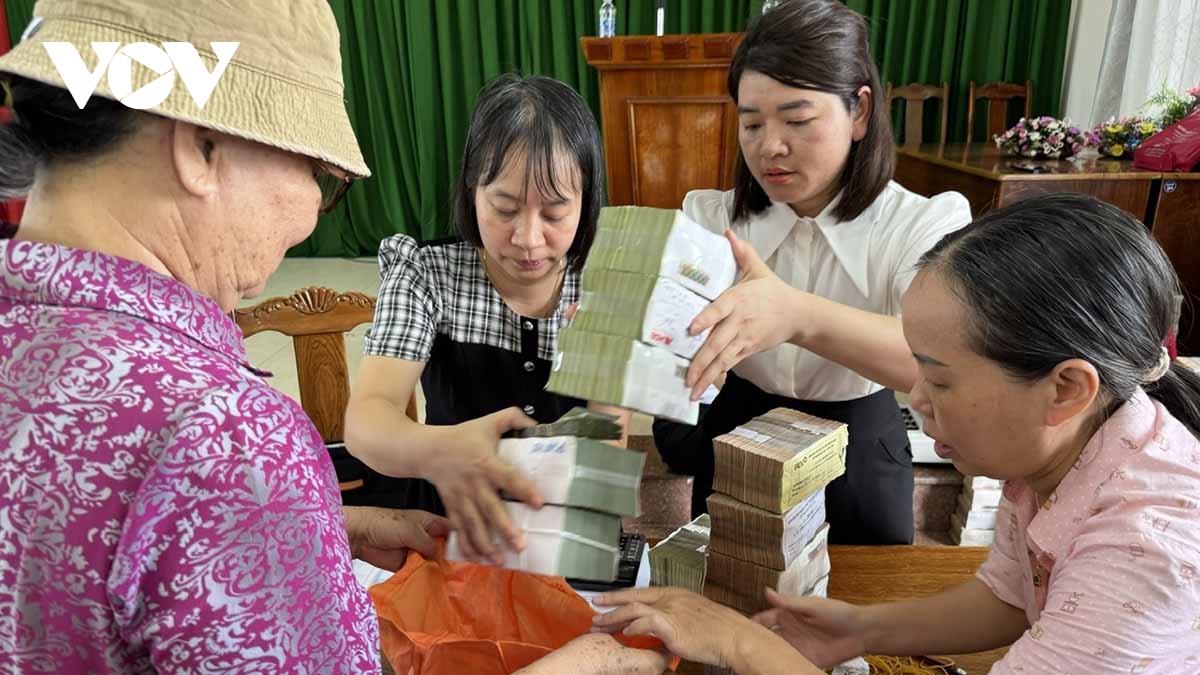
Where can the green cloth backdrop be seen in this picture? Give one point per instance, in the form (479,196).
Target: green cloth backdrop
(414,67)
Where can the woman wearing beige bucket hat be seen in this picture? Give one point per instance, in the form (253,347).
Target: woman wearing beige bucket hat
(161,507)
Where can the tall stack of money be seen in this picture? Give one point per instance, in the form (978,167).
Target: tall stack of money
(587,485)
(679,560)
(650,272)
(974,521)
(768,512)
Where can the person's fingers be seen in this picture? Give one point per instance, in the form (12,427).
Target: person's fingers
(516,484)
(653,624)
(409,533)
(623,615)
(714,314)
(475,528)
(492,508)
(750,265)
(798,605)
(716,344)
(508,419)
(459,526)
(434,525)
(716,370)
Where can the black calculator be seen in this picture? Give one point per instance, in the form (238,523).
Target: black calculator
(630,561)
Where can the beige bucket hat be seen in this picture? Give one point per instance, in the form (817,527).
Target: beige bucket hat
(283,86)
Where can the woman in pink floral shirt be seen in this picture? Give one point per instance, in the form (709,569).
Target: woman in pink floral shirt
(1040,332)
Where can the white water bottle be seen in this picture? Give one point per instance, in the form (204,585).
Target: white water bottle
(608,19)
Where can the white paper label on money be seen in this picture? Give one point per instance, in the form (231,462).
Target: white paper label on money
(654,384)
(811,428)
(669,314)
(699,259)
(812,564)
(751,434)
(549,463)
(801,524)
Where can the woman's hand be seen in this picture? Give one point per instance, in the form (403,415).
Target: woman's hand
(469,476)
(759,312)
(690,625)
(383,537)
(827,632)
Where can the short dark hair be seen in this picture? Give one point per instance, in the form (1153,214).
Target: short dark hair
(538,115)
(1063,276)
(47,127)
(819,45)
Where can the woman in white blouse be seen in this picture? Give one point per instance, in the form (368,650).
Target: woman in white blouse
(816,326)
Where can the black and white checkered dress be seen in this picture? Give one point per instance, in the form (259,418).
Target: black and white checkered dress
(437,305)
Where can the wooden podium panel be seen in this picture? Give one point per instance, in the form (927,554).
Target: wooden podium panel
(669,125)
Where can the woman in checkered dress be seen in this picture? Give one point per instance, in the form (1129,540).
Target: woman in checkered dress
(476,318)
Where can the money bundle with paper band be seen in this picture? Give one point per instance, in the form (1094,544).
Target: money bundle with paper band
(578,422)
(560,541)
(776,460)
(663,242)
(623,372)
(741,585)
(679,560)
(579,472)
(756,535)
(653,309)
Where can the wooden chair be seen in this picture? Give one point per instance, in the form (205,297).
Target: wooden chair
(998,94)
(915,96)
(317,319)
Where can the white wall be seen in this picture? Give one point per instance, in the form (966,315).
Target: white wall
(1085,50)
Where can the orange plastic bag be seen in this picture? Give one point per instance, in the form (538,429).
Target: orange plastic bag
(448,618)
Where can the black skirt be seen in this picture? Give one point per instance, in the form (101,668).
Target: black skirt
(870,504)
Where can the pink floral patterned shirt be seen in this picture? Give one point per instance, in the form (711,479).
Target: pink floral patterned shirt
(1106,568)
(161,507)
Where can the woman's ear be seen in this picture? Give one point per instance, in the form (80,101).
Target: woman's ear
(195,154)
(861,114)
(1076,386)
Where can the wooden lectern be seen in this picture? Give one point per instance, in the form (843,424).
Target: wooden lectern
(669,124)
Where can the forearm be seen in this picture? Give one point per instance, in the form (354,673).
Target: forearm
(759,651)
(382,436)
(965,619)
(870,344)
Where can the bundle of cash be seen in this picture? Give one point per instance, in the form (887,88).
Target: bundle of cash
(663,242)
(741,585)
(579,472)
(756,535)
(679,560)
(776,460)
(623,372)
(652,309)
(560,541)
(578,422)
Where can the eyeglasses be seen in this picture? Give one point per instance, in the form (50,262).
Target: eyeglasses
(333,183)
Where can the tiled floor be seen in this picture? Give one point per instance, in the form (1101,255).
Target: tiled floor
(273,352)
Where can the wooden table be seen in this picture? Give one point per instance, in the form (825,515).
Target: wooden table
(870,574)
(989,179)
(1168,203)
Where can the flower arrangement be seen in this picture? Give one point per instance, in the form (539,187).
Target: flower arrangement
(1041,138)
(1174,106)
(1120,137)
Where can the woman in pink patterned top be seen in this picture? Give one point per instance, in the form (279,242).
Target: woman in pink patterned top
(1039,333)
(161,507)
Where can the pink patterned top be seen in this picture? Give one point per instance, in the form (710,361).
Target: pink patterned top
(161,507)
(1105,569)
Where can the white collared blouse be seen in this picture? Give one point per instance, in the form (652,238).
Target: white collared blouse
(865,263)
